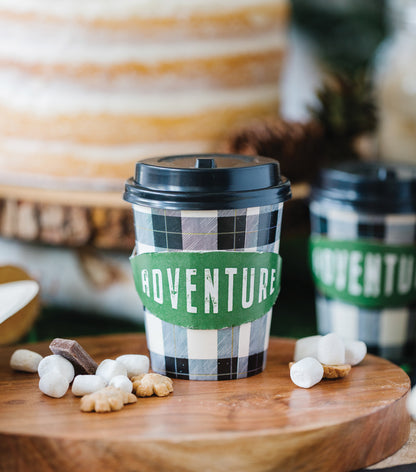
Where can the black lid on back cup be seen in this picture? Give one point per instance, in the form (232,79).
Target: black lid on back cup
(368,187)
(207,182)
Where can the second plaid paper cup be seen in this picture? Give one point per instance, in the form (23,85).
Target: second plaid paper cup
(363,222)
(206,263)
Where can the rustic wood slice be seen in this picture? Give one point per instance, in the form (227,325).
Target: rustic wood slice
(99,219)
(67,218)
(261,423)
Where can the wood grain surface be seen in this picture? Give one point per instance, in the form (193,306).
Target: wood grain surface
(67,218)
(263,423)
(102,220)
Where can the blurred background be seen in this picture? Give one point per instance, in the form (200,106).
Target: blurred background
(338,80)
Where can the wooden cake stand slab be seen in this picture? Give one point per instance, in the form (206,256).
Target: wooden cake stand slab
(66,217)
(263,423)
(99,219)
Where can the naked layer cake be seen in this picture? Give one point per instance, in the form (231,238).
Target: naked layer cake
(87,88)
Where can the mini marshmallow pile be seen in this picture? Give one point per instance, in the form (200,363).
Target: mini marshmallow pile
(116,373)
(56,372)
(314,354)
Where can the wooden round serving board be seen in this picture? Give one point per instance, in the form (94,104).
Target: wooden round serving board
(263,423)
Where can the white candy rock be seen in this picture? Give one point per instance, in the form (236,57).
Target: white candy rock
(122,382)
(307,372)
(25,360)
(411,403)
(306,347)
(109,368)
(355,352)
(136,364)
(56,363)
(331,350)
(53,384)
(85,384)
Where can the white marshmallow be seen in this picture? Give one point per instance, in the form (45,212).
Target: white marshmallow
(136,364)
(331,350)
(355,352)
(53,384)
(122,382)
(306,347)
(85,384)
(57,363)
(307,372)
(411,403)
(109,368)
(25,360)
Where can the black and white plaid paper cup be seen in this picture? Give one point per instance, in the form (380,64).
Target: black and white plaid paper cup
(386,331)
(195,354)
(202,204)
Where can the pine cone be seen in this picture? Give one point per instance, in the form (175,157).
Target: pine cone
(346,107)
(297,146)
(345,112)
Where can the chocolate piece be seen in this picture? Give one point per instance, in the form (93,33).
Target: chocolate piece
(74,352)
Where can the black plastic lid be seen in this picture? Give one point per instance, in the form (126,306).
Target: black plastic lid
(373,187)
(207,182)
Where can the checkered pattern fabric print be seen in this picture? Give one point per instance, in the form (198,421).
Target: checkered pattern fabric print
(225,354)
(335,222)
(248,229)
(229,353)
(387,332)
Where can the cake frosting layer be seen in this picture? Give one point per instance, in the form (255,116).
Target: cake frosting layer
(112,128)
(120,62)
(24,93)
(95,153)
(34,44)
(125,9)
(23,162)
(206,73)
(189,21)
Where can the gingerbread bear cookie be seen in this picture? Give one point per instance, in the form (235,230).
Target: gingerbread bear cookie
(107,399)
(146,385)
